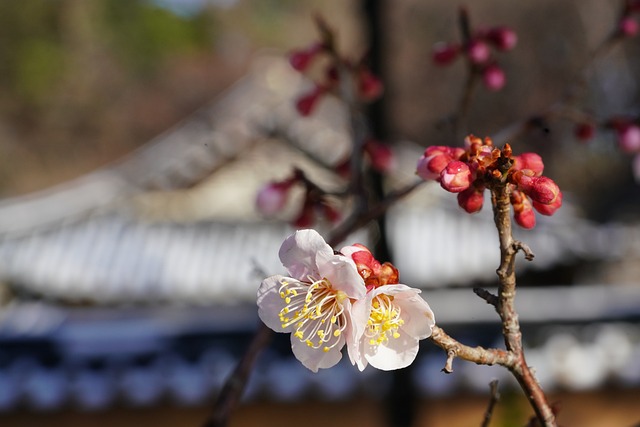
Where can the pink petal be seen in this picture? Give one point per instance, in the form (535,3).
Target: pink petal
(397,353)
(270,303)
(298,253)
(342,274)
(314,358)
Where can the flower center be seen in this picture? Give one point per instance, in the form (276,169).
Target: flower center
(316,311)
(384,320)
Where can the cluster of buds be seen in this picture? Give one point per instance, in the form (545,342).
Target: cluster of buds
(627,23)
(367,86)
(477,48)
(273,196)
(469,171)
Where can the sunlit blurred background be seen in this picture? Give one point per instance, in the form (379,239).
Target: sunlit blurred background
(134,136)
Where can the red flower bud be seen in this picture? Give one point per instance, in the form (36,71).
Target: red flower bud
(444,53)
(531,161)
(503,38)
(628,26)
(300,59)
(330,212)
(584,131)
(455,177)
(433,161)
(471,199)
(494,78)
(272,197)
(380,155)
(370,86)
(307,103)
(522,210)
(550,208)
(629,138)
(540,188)
(478,51)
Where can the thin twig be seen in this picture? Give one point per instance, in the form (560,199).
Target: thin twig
(490,298)
(493,400)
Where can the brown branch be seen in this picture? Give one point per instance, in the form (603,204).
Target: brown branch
(490,298)
(479,355)
(506,308)
(234,386)
(495,397)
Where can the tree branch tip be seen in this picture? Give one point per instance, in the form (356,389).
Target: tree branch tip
(520,246)
(448,366)
(487,296)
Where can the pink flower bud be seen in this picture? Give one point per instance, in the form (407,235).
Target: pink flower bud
(628,26)
(380,155)
(522,210)
(494,78)
(503,38)
(272,197)
(433,161)
(307,103)
(331,213)
(531,161)
(455,177)
(370,86)
(300,59)
(471,199)
(478,51)
(444,53)
(584,131)
(550,208)
(526,217)
(540,188)
(629,138)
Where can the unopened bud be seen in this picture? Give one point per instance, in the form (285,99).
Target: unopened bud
(523,212)
(628,26)
(444,53)
(584,131)
(272,197)
(455,177)
(433,161)
(549,208)
(471,199)
(540,188)
(478,51)
(369,85)
(307,103)
(306,217)
(629,138)
(494,78)
(503,38)
(531,161)
(380,155)
(300,59)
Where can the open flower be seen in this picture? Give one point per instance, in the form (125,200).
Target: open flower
(392,318)
(313,303)
(396,319)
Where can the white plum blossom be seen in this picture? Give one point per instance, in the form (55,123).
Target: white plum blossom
(396,319)
(314,302)
(332,299)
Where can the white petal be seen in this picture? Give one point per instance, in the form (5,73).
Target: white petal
(270,303)
(342,273)
(416,313)
(357,316)
(298,253)
(315,358)
(396,353)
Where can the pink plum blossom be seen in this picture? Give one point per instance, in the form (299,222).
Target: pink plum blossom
(314,302)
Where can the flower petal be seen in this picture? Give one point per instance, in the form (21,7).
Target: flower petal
(316,358)
(342,274)
(416,313)
(396,353)
(298,253)
(270,303)
(357,316)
